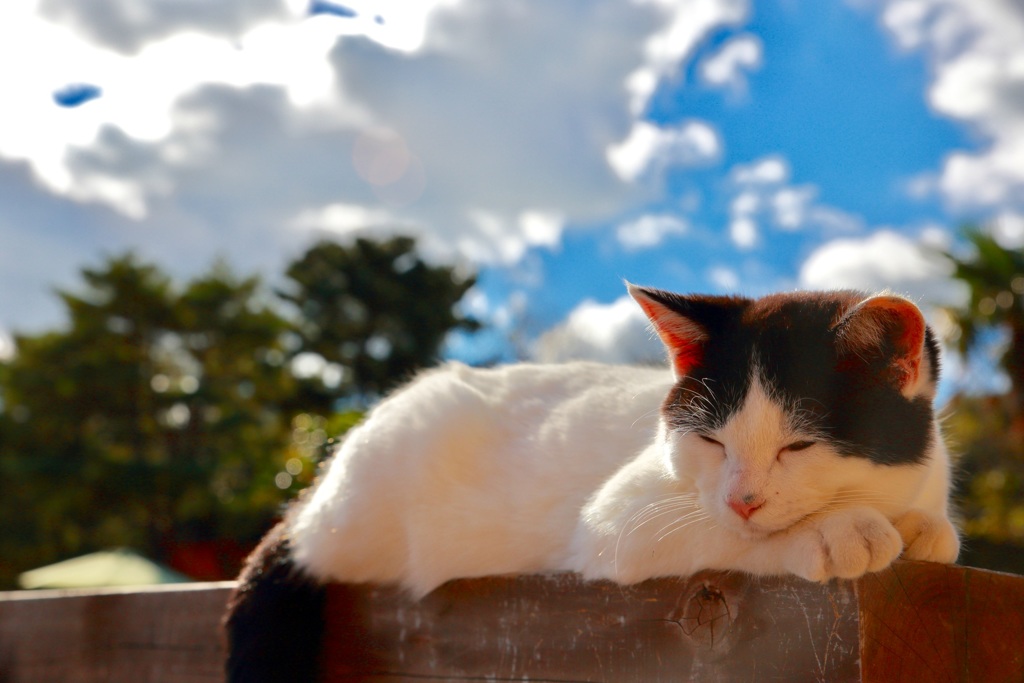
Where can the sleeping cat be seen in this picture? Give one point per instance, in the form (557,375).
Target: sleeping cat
(794,434)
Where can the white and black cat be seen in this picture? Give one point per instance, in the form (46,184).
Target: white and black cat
(795,434)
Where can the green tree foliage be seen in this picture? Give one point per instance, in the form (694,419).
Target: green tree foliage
(995,278)
(987,432)
(164,418)
(140,424)
(232,404)
(990,469)
(375,311)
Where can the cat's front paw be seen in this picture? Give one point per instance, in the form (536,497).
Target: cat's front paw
(928,537)
(847,544)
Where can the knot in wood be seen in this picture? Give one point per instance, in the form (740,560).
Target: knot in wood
(705,616)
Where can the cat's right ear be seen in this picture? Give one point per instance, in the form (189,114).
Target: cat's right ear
(895,327)
(683,337)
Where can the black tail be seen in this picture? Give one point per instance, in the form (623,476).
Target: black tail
(274,621)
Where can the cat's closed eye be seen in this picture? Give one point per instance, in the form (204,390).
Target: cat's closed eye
(708,439)
(799,446)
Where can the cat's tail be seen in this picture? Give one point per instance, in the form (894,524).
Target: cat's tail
(274,619)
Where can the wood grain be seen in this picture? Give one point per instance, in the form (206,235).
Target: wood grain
(122,636)
(927,622)
(710,627)
(913,622)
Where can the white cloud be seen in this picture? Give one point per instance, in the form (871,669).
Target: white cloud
(884,260)
(224,129)
(733,62)
(128,25)
(1008,229)
(506,239)
(769,170)
(611,333)
(726,279)
(141,96)
(650,149)
(743,231)
(686,24)
(764,196)
(649,231)
(541,228)
(791,206)
(341,219)
(976,51)
(191,89)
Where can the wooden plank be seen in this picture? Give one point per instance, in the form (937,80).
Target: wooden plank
(709,627)
(922,621)
(913,622)
(165,635)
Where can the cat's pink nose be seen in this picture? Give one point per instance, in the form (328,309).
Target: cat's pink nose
(746,506)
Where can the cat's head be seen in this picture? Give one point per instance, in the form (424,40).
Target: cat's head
(794,403)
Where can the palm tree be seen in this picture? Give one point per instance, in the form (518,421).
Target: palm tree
(995,277)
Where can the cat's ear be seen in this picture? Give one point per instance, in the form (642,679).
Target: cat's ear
(891,326)
(682,336)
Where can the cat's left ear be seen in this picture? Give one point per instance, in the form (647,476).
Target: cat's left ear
(682,336)
(895,327)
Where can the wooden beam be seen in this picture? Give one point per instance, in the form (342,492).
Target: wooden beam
(929,622)
(913,622)
(166,634)
(709,627)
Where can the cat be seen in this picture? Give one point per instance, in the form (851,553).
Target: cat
(791,434)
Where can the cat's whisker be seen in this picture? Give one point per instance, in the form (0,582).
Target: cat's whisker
(654,510)
(646,415)
(665,504)
(675,494)
(846,500)
(862,496)
(655,514)
(705,383)
(699,410)
(857,496)
(668,499)
(660,505)
(695,515)
(679,525)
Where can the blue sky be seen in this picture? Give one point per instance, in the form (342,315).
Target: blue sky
(556,148)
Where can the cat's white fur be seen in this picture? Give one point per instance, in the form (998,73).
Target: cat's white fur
(534,468)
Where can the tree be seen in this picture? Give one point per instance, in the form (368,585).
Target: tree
(375,310)
(83,413)
(995,278)
(154,419)
(987,430)
(166,417)
(230,420)
(990,468)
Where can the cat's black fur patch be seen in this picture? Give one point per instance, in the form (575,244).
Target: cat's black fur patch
(274,621)
(790,343)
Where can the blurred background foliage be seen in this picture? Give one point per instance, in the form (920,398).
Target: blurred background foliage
(176,420)
(987,431)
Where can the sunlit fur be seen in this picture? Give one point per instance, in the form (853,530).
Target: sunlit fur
(824,515)
(585,467)
(470,472)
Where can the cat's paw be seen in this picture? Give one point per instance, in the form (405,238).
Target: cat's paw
(928,537)
(847,544)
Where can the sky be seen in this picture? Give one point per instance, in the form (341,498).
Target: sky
(555,148)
